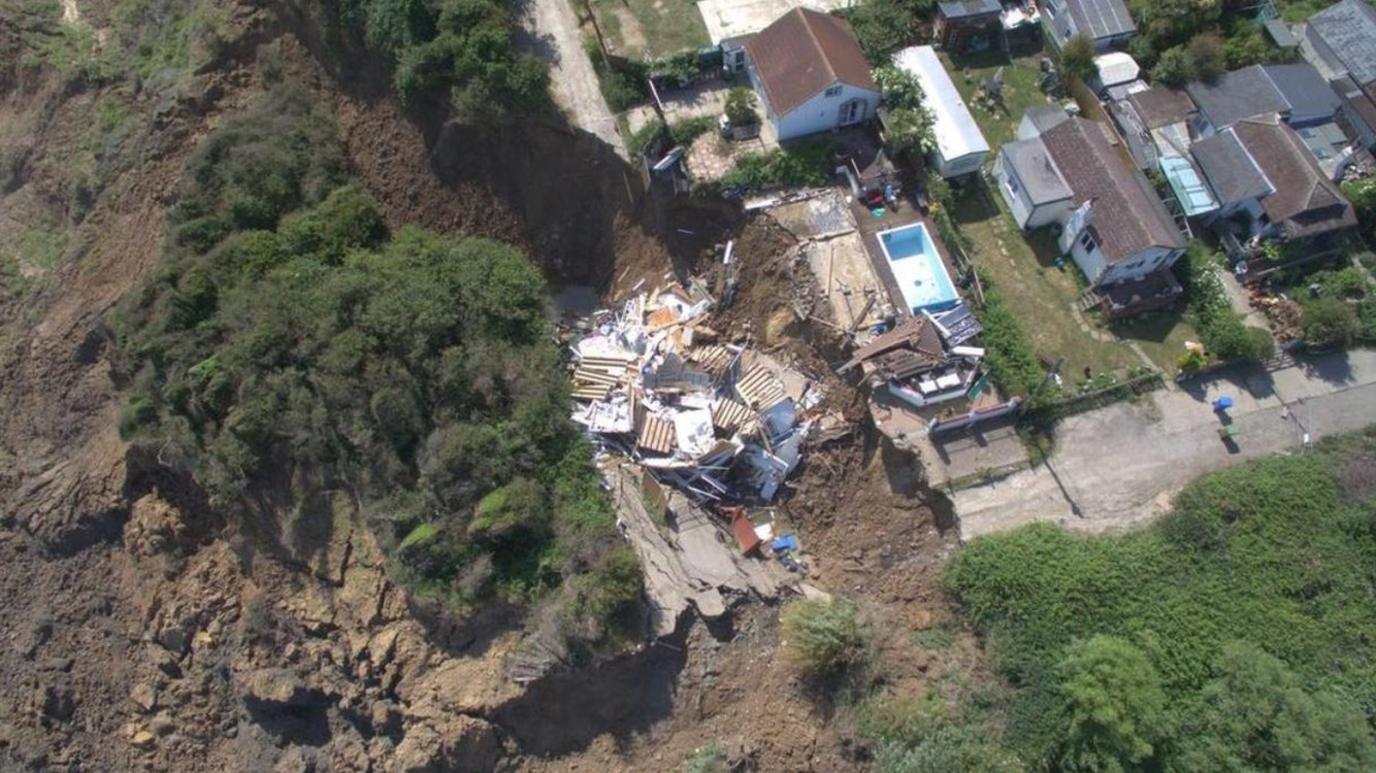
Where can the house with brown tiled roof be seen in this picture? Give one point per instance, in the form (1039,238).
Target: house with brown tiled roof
(811,74)
(1112,223)
(1259,168)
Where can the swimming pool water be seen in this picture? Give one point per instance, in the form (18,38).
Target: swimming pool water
(917,267)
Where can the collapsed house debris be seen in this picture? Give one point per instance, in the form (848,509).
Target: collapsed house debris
(926,366)
(720,422)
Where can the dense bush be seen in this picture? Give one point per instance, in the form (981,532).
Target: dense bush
(1257,714)
(1008,350)
(463,47)
(289,345)
(1276,553)
(1077,58)
(1114,706)
(1362,194)
(884,26)
(740,107)
(803,164)
(824,637)
(1219,325)
(1329,323)
(910,122)
(914,733)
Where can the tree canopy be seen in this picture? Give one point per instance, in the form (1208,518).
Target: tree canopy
(1114,705)
(291,343)
(465,46)
(1257,715)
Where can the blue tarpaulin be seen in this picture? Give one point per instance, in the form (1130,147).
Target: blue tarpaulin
(1223,403)
(784,544)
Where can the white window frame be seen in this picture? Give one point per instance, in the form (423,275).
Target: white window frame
(1087,242)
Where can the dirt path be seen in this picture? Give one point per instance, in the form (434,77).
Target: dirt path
(558,40)
(1121,465)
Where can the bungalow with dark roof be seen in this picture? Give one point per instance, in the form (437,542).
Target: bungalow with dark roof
(811,74)
(1261,171)
(1113,225)
(1105,22)
(1297,92)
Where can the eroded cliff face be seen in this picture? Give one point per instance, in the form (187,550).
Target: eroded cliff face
(146,629)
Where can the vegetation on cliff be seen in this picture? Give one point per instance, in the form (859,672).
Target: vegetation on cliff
(291,343)
(1232,635)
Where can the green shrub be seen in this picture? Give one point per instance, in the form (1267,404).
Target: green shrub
(1366,319)
(708,759)
(1008,350)
(138,413)
(464,48)
(1271,553)
(641,139)
(1329,323)
(684,131)
(1114,707)
(803,164)
(740,107)
(824,637)
(1256,714)
(1077,58)
(318,351)
(1345,283)
(948,749)
(884,26)
(608,597)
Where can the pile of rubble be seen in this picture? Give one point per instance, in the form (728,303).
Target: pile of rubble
(927,366)
(720,422)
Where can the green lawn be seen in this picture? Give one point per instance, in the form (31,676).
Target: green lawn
(651,29)
(999,121)
(1041,293)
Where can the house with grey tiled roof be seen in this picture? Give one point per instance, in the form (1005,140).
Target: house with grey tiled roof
(1340,41)
(1105,22)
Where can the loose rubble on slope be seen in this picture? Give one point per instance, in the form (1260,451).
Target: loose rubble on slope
(721,422)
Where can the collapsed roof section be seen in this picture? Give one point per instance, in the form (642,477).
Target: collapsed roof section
(720,422)
(924,359)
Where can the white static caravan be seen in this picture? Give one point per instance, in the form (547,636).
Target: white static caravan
(960,146)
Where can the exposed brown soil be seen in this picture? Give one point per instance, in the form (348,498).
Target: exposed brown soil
(144,630)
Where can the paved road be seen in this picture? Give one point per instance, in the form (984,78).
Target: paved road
(1121,465)
(557,39)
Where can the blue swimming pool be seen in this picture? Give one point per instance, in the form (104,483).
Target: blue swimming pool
(918,269)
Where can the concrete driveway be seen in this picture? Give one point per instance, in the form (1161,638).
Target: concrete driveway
(553,34)
(1120,466)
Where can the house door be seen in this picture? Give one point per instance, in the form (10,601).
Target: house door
(852,111)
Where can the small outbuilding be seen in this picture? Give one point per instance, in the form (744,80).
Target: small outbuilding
(969,25)
(960,145)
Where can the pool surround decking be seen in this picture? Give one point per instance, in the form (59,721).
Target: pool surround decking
(906,213)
